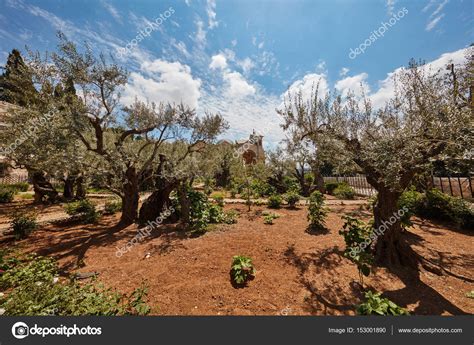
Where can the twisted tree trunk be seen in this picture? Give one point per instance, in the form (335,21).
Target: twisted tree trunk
(130,197)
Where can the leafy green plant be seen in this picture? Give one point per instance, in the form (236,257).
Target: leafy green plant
(112,206)
(23,224)
(316,211)
(376,305)
(269,217)
(32,287)
(83,209)
(434,204)
(292,198)
(219,199)
(261,188)
(274,201)
(230,217)
(16,187)
(470,294)
(6,195)
(357,236)
(331,186)
(242,269)
(410,200)
(344,192)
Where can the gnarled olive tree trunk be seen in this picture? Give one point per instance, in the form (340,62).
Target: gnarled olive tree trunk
(130,197)
(69,182)
(43,188)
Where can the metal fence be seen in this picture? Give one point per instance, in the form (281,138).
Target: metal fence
(454,186)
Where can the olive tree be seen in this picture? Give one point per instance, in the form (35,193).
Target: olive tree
(425,118)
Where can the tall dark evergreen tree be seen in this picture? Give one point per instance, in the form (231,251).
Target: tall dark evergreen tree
(16,84)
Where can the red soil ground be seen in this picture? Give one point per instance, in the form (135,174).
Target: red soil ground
(298,273)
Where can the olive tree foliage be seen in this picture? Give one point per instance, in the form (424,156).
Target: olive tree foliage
(124,142)
(36,127)
(425,118)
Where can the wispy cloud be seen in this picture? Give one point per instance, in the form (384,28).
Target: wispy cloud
(112,10)
(436,15)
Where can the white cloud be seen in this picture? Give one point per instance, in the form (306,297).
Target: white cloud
(343,71)
(211,13)
(390,6)
(308,84)
(260,45)
(386,87)
(25,34)
(237,86)
(112,10)
(200,35)
(353,84)
(431,24)
(439,8)
(234,43)
(218,61)
(436,15)
(163,81)
(246,64)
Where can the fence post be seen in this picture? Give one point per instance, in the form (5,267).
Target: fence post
(460,187)
(450,186)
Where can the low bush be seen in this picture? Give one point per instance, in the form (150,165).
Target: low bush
(269,217)
(242,269)
(32,287)
(274,201)
(376,305)
(292,199)
(316,211)
(218,198)
(6,195)
(23,225)
(330,186)
(230,217)
(83,209)
(261,189)
(16,187)
(344,192)
(434,204)
(112,206)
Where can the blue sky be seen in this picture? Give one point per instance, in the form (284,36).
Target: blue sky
(239,57)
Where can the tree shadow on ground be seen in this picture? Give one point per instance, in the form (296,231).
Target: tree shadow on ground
(428,300)
(331,297)
(317,231)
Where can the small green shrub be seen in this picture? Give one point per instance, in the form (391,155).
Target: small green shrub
(233,193)
(16,187)
(23,225)
(230,217)
(112,206)
(330,186)
(261,189)
(219,199)
(6,195)
(292,199)
(358,237)
(269,217)
(83,209)
(376,305)
(316,211)
(344,192)
(274,201)
(33,288)
(410,200)
(242,269)
(434,204)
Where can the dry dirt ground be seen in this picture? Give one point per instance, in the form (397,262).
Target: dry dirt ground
(298,273)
